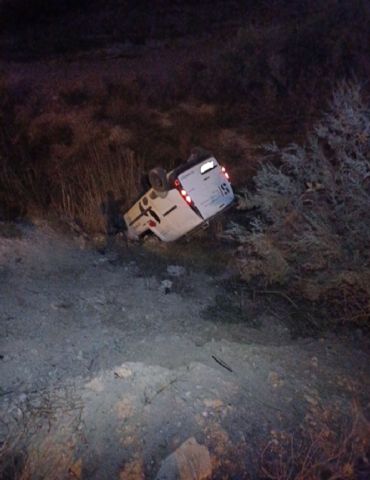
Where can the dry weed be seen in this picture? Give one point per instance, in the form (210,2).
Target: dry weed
(84,191)
(319,451)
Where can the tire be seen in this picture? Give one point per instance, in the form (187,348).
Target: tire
(199,154)
(158,179)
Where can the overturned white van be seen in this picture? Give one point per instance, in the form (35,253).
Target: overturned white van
(182,200)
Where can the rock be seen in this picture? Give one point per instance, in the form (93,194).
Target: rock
(100,261)
(96,385)
(191,461)
(82,242)
(165,286)
(310,399)
(213,403)
(176,270)
(315,362)
(22,397)
(122,372)
(99,242)
(275,380)
(61,305)
(75,470)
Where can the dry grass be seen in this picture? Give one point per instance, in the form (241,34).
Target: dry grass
(321,451)
(83,192)
(67,163)
(329,445)
(42,435)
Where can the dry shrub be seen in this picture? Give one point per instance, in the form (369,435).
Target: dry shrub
(57,159)
(347,293)
(260,258)
(313,202)
(13,191)
(75,96)
(80,193)
(326,448)
(48,130)
(121,101)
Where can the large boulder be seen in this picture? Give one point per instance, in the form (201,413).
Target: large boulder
(191,461)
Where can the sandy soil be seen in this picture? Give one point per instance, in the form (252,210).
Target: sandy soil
(118,365)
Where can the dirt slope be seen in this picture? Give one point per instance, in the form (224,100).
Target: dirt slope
(110,363)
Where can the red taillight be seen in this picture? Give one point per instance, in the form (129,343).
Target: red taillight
(223,170)
(185,195)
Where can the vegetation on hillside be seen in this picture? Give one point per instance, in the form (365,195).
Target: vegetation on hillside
(312,231)
(270,79)
(66,153)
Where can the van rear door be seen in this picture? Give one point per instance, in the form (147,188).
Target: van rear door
(208,187)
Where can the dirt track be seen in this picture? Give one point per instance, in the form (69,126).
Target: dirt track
(111,362)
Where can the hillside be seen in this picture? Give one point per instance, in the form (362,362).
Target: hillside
(241,352)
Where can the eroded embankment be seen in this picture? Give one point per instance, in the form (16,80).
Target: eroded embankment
(111,369)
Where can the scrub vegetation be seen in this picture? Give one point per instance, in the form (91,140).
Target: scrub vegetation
(311,233)
(268,81)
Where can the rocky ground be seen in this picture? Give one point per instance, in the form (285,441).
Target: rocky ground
(138,362)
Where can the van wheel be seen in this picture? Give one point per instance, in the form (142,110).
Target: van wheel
(158,179)
(199,153)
